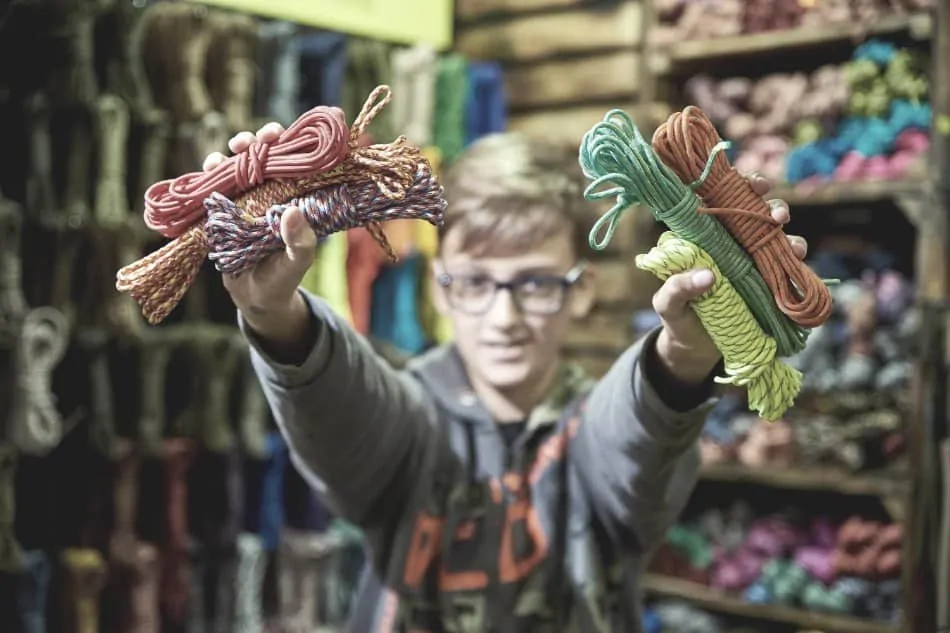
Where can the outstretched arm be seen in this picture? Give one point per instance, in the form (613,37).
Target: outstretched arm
(635,448)
(355,426)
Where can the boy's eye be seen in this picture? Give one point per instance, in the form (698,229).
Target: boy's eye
(538,286)
(474,285)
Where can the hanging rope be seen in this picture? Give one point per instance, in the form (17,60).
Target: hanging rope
(249,581)
(622,165)
(11,555)
(451,100)
(39,428)
(687,143)
(368,64)
(278,62)
(312,154)
(748,352)
(112,132)
(85,572)
(12,302)
(414,75)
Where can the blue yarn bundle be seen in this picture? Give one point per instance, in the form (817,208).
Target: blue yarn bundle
(884,80)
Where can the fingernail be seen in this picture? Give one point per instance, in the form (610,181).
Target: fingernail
(703,278)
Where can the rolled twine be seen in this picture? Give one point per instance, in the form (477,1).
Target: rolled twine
(867,549)
(316,164)
(772,15)
(700,20)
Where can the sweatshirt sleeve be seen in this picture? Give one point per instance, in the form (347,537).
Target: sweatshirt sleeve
(636,455)
(355,426)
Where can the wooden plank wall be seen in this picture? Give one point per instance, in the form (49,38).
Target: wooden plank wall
(567,62)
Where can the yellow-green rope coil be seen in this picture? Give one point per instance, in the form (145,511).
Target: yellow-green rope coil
(749,353)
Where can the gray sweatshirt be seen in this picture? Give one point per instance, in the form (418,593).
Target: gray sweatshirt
(465,534)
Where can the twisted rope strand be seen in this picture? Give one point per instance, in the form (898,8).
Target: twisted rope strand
(685,142)
(239,242)
(749,353)
(622,165)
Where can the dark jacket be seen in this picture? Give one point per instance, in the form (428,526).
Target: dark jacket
(467,536)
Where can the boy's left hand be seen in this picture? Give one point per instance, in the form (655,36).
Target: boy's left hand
(683,345)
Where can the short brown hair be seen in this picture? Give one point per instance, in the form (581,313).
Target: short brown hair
(508,192)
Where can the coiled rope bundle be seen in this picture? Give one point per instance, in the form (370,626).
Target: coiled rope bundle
(231,214)
(686,143)
(739,312)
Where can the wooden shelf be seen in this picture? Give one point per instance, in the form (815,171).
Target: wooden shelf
(713,600)
(920,25)
(810,478)
(846,192)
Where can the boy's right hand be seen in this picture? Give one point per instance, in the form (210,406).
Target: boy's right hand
(267,295)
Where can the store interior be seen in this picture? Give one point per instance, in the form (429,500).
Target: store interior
(144,486)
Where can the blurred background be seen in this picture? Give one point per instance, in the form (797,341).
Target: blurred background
(143,486)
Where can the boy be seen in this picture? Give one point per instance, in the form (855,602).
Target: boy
(499,489)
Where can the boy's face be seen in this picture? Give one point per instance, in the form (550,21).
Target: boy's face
(506,344)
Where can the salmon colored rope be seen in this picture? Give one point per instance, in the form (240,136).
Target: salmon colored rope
(685,143)
(316,163)
(316,142)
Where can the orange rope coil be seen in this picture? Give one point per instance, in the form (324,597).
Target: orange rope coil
(684,143)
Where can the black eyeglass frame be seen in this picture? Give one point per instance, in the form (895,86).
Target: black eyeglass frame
(567,281)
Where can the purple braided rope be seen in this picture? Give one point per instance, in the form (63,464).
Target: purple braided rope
(238,242)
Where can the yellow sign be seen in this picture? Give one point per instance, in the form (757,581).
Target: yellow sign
(396,21)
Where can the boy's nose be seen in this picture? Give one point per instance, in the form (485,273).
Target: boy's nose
(504,309)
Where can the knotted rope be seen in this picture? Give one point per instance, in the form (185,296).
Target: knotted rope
(11,554)
(748,352)
(38,426)
(314,164)
(414,74)
(42,200)
(85,574)
(687,143)
(249,581)
(12,302)
(112,131)
(34,591)
(622,165)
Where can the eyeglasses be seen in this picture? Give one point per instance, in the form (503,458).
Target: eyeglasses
(533,294)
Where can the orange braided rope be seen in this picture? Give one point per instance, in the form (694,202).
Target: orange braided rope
(684,143)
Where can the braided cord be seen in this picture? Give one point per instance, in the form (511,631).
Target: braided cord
(749,353)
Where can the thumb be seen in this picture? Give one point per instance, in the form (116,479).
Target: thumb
(299,239)
(673,297)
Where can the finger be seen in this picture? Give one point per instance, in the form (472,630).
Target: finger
(780,211)
(760,184)
(799,246)
(270,132)
(672,299)
(298,237)
(212,160)
(241,141)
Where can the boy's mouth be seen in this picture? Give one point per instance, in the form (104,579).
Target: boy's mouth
(506,344)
